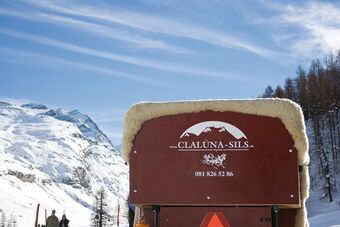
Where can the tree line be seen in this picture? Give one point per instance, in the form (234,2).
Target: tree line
(317,90)
(7,221)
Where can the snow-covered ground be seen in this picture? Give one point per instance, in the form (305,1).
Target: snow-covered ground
(330,219)
(58,159)
(321,212)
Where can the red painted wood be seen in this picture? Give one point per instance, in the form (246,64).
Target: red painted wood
(264,174)
(193,216)
(287,217)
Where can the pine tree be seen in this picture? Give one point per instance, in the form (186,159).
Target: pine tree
(301,91)
(100,216)
(279,93)
(268,93)
(289,90)
(313,92)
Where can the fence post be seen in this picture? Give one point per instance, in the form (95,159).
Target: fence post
(118,215)
(37,216)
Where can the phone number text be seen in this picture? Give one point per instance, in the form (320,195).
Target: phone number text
(214,173)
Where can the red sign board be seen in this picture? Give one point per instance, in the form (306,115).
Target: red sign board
(214,158)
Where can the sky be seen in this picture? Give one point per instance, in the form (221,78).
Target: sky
(103,56)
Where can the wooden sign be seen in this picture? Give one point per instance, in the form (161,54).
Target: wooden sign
(214,158)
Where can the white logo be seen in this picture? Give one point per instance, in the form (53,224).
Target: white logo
(211,160)
(207,126)
(211,136)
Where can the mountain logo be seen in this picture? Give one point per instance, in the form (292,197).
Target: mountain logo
(207,126)
(212,136)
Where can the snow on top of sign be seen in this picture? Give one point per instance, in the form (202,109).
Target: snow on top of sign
(289,112)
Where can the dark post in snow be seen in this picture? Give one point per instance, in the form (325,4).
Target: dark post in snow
(118,210)
(37,215)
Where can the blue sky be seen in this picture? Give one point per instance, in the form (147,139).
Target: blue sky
(103,56)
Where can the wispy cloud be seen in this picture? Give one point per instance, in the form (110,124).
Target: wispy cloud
(142,62)
(115,137)
(25,57)
(111,122)
(154,24)
(16,101)
(138,41)
(310,29)
(111,115)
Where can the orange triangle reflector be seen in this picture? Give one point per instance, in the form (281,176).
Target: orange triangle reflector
(215,219)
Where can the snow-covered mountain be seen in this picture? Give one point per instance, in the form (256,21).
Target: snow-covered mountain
(59,159)
(85,124)
(34,106)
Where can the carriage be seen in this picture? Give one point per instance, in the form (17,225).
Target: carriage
(217,163)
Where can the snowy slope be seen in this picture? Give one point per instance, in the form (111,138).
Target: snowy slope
(322,213)
(85,124)
(330,219)
(58,160)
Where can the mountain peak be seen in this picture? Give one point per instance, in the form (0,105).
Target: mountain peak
(4,103)
(34,106)
(86,125)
